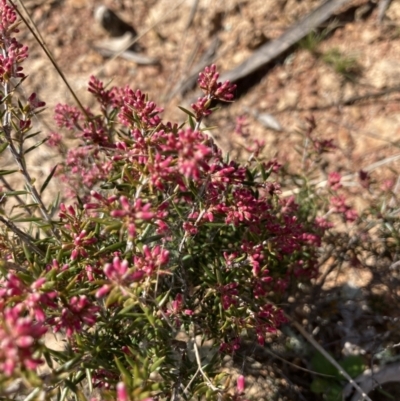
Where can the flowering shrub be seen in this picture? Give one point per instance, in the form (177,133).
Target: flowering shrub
(163,243)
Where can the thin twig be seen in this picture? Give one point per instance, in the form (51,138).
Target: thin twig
(196,352)
(348,177)
(348,102)
(185,390)
(18,154)
(312,341)
(49,55)
(21,235)
(192,14)
(274,355)
(19,159)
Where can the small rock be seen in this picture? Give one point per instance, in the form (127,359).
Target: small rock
(393,12)
(290,99)
(345,141)
(370,36)
(77,3)
(349,91)
(384,73)
(269,121)
(330,87)
(380,131)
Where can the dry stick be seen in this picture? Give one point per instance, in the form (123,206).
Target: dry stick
(186,389)
(275,48)
(294,365)
(373,378)
(383,6)
(192,14)
(17,156)
(348,102)
(44,47)
(169,92)
(136,38)
(312,341)
(30,19)
(196,351)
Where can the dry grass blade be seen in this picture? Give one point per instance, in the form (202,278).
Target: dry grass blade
(312,341)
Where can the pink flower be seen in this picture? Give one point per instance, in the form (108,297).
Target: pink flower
(334,180)
(103,96)
(152,259)
(67,116)
(176,305)
(135,108)
(208,81)
(365,179)
(133,212)
(77,313)
(122,393)
(339,205)
(54,139)
(34,300)
(229,295)
(387,185)
(193,153)
(323,146)
(190,228)
(240,125)
(201,107)
(81,242)
(18,336)
(322,224)
(240,384)
(351,215)
(95,133)
(14,54)
(34,102)
(119,275)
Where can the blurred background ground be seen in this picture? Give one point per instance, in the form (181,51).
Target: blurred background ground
(345,74)
(348,57)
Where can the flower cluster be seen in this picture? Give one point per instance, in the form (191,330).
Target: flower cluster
(214,90)
(22,322)
(19,334)
(184,233)
(77,312)
(13,52)
(208,81)
(160,233)
(339,205)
